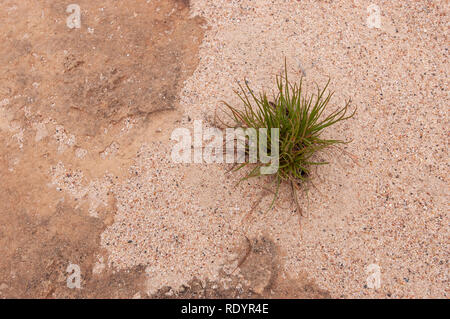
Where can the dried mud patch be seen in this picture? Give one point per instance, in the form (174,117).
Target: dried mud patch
(36,252)
(125,60)
(75,106)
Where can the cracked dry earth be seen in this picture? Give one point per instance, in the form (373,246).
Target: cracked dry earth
(86,178)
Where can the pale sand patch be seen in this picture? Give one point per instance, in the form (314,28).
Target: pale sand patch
(183,221)
(389,210)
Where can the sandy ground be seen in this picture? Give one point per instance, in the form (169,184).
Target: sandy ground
(86,175)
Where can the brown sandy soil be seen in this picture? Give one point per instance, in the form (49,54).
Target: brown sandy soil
(86,178)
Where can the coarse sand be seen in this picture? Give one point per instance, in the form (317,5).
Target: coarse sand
(381,201)
(87,179)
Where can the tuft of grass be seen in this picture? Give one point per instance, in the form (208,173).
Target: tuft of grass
(301,119)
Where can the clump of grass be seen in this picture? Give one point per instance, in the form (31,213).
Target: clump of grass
(301,119)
